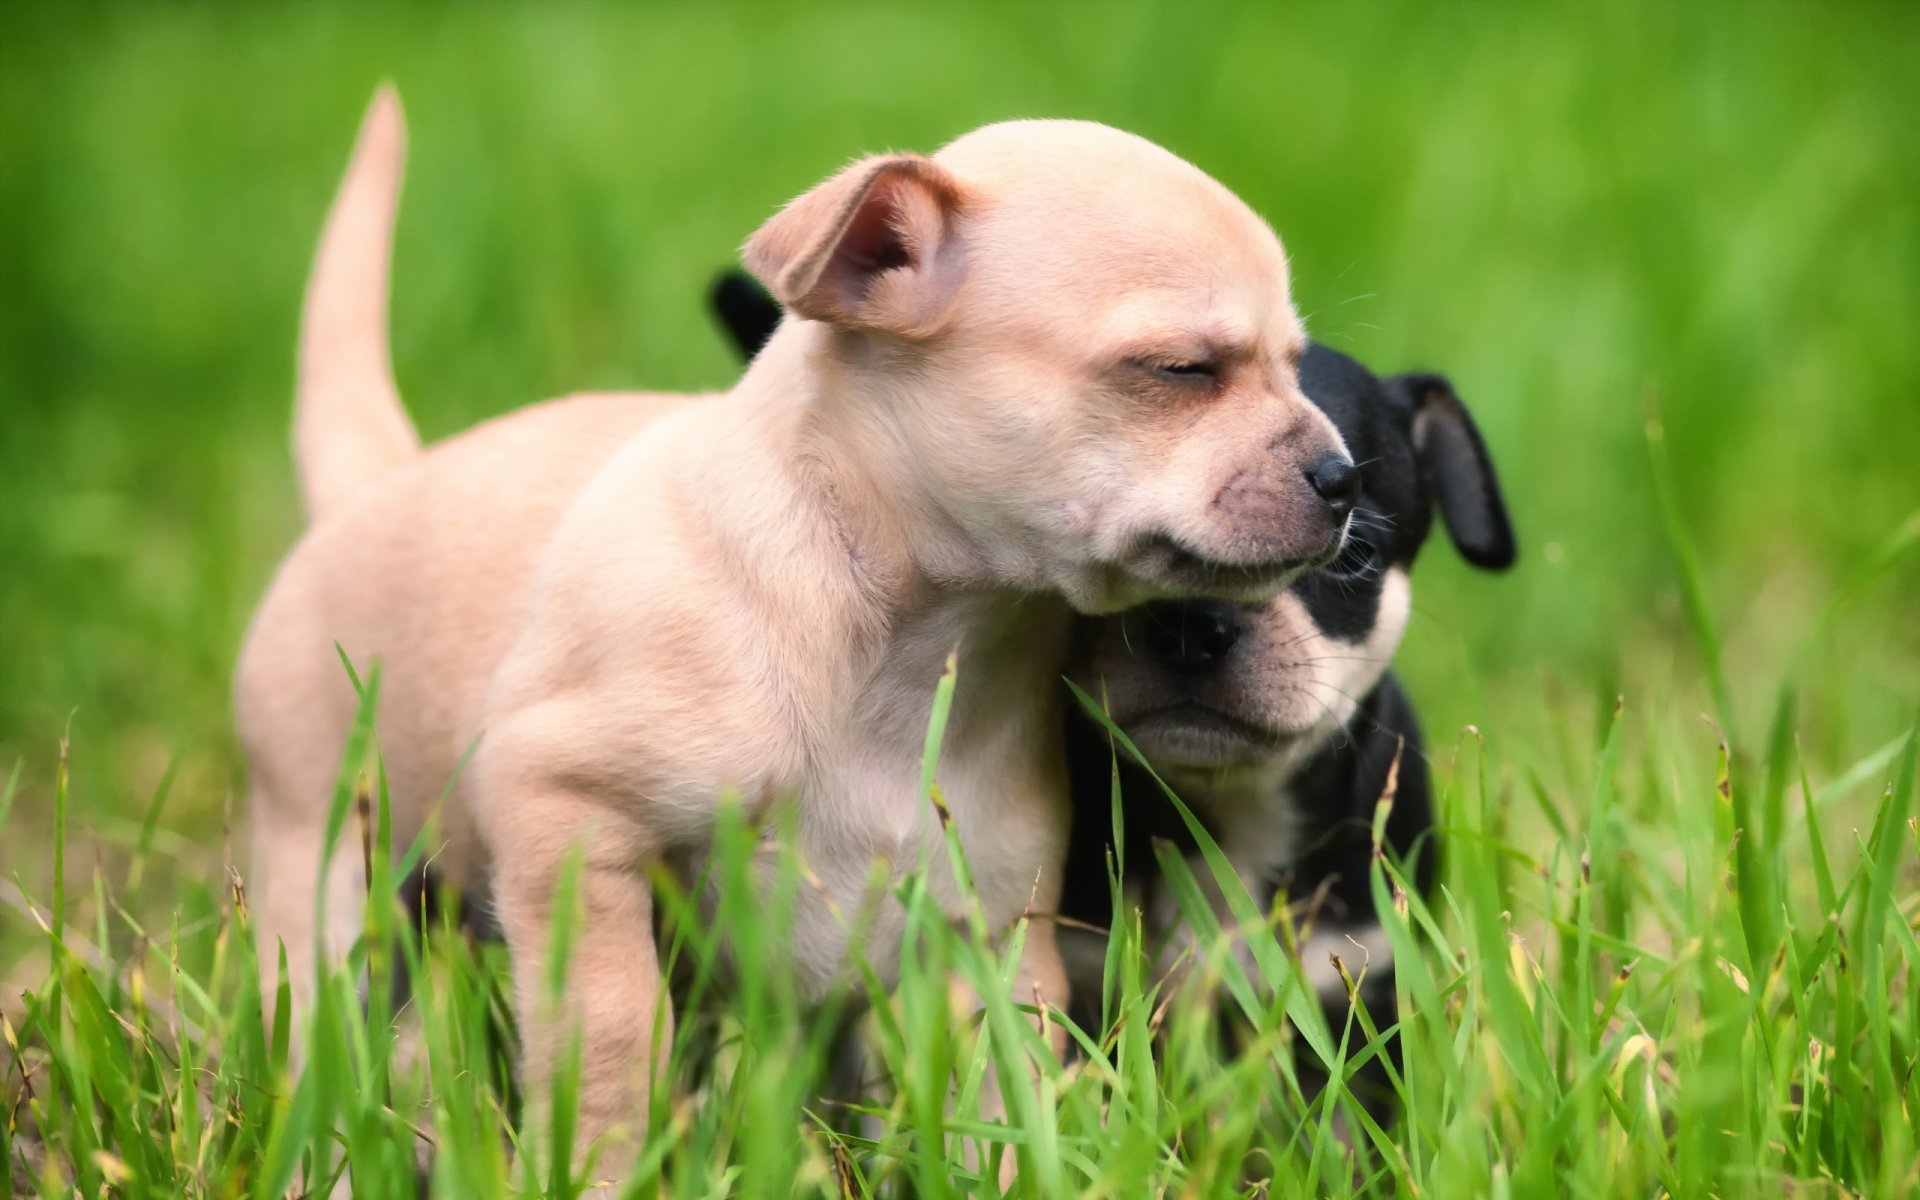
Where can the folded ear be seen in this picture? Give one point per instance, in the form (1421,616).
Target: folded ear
(1454,461)
(875,247)
(745,310)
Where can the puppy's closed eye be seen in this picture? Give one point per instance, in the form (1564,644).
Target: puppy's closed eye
(1189,372)
(1198,374)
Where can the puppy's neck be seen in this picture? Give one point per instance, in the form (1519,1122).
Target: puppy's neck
(840,421)
(810,468)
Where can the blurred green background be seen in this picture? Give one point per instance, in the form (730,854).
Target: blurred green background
(1585,216)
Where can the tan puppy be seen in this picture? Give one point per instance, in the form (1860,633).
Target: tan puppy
(1051,363)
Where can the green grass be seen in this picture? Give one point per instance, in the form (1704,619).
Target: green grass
(1669,255)
(1685,1017)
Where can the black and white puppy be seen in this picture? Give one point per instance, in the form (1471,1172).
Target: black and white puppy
(1277,724)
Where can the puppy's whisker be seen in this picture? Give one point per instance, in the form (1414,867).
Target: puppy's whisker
(1295,641)
(1335,689)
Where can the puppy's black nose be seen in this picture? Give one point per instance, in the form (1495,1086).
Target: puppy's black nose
(1337,481)
(1188,636)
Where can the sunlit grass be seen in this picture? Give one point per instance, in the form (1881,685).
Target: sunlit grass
(1683,1008)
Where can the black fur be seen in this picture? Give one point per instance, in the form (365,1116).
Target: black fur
(745,310)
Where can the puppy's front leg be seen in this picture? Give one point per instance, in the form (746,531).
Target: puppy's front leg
(612,997)
(1042,981)
(1039,980)
(1180,945)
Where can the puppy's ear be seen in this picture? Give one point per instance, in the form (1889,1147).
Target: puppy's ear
(875,247)
(1454,461)
(745,310)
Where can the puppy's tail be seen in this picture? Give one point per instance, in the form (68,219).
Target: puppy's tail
(348,426)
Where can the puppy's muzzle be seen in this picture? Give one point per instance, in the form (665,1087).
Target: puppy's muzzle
(1183,570)
(1270,530)
(1299,540)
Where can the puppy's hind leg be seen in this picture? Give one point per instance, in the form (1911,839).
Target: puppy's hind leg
(315,919)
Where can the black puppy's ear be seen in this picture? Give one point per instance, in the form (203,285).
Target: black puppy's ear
(1454,460)
(745,310)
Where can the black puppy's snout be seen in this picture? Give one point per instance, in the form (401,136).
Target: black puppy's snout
(1337,481)
(1188,636)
